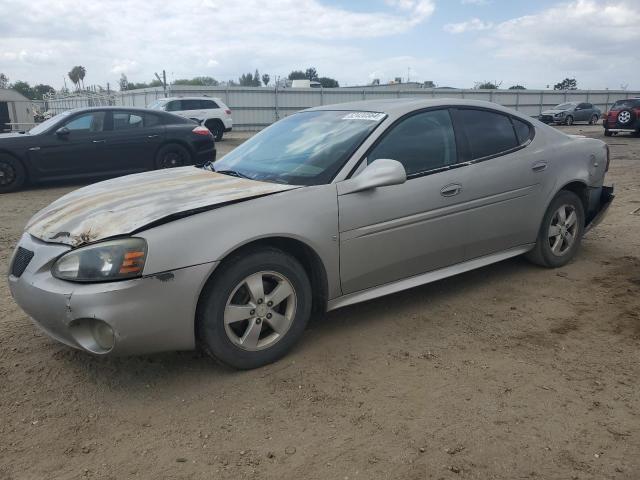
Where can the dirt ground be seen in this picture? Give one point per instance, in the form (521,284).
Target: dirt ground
(508,372)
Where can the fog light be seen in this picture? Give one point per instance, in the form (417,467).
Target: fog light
(103,335)
(93,335)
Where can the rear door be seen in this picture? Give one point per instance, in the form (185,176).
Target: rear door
(192,108)
(78,153)
(503,183)
(398,231)
(133,141)
(583,112)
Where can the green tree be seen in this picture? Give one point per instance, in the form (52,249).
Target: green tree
(297,75)
(24,88)
(566,84)
(74,76)
(487,85)
(327,82)
(82,72)
(4,81)
(41,89)
(265,79)
(205,81)
(517,87)
(123,82)
(311,73)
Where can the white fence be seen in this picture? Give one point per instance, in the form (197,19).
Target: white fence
(256,108)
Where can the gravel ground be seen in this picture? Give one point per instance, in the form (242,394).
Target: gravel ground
(508,372)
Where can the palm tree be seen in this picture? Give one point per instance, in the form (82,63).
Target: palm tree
(81,74)
(74,76)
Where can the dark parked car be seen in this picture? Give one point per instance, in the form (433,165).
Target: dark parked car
(101,142)
(570,112)
(624,116)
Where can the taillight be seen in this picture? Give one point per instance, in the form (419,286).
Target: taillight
(201,131)
(227,111)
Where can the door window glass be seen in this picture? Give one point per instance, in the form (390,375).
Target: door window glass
(422,142)
(523,130)
(208,104)
(174,106)
(126,121)
(89,122)
(488,133)
(190,104)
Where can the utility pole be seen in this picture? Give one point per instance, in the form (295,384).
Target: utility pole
(163,81)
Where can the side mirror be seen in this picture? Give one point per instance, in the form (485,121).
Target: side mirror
(63,132)
(381,173)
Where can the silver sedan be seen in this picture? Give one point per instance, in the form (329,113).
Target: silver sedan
(328,207)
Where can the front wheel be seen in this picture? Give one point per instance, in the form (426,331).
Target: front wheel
(569,121)
(255,309)
(560,233)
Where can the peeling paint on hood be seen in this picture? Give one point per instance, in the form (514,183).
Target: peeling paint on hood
(123,205)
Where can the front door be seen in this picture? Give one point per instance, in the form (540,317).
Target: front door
(78,153)
(398,231)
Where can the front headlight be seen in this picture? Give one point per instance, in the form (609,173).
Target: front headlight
(561,114)
(103,262)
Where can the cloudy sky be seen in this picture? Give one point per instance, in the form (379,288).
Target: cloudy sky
(451,42)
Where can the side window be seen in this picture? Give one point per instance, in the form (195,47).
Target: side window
(89,122)
(190,104)
(174,106)
(422,142)
(126,121)
(488,133)
(582,106)
(523,130)
(208,104)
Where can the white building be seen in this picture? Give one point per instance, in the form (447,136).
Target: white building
(16,111)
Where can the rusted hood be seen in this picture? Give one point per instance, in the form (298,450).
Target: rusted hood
(126,204)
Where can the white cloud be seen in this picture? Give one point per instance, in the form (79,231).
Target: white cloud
(475,2)
(475,24)
(196,37)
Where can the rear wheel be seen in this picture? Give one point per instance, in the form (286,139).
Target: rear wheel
(12,174)
(594,119)
(255,309)
(216,128)
(569,120)
(560,233)
(172,155)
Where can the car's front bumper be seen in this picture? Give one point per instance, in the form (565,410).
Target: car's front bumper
(600,201)
(149,314)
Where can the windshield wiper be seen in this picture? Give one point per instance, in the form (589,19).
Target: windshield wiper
(233,173)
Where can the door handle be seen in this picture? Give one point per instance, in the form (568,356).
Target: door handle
(99,141)
(153,136)
(450,190)
(539,166)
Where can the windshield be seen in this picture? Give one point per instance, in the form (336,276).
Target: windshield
(307,148)
(44,126)
(157,105)
(564,106)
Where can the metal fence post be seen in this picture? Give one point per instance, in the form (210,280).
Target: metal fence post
(276,102)
(517,100)
(541,101)
(321,95)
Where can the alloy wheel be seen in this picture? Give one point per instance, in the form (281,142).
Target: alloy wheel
(624,117)
(7,174)
(563,230)
(172,159)
(260,310)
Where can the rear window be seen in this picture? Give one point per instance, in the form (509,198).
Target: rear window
(208,104)
(488,133)
(523,130)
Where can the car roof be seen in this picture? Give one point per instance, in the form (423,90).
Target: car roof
(191,98)
(401,106)
(115,108)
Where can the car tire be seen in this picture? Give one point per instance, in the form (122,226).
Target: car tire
(172,155)
(569,121)
(12,174)
(216,127)
(236,324)
(607,133)
(547,251)
(593,120)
